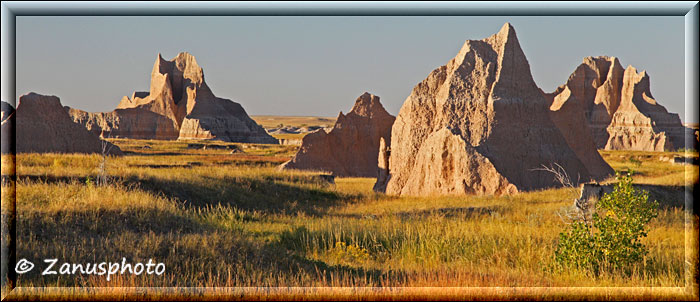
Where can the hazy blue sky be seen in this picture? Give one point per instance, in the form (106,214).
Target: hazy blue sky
(319,65)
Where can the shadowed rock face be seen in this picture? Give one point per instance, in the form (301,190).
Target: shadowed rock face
(179,105)
(618,108)
(42,125)
(478,125)
(7,135)
(7,110)
(134,123)
(351,147)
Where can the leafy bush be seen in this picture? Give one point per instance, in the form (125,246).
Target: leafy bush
(612,241)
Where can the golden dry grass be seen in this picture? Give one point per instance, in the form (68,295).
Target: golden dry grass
(289,135)
(232,220)
(650,169)
(268,121)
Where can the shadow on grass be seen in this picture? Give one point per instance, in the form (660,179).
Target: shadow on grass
(343,274)
(301,240)
(195,254)
(155,153)
(49,179)
(667,196)
(450,212)
(98,235)
(103,222)
(267,194)
(165,166)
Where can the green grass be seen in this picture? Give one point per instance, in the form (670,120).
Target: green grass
(220,219)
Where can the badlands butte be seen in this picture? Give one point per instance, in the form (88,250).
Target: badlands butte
(477,125)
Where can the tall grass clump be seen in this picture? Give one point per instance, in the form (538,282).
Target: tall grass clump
(612,242)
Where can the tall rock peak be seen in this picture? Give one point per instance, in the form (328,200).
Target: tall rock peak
(482,109)
(507,34)
(180,105)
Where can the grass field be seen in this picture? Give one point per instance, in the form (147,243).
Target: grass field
(269,121)
(220,220)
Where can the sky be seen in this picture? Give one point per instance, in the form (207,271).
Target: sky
(318,66)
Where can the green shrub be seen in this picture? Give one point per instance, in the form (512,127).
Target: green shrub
(612,242)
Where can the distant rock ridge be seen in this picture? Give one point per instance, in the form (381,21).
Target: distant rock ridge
(179,105)
(480,125)
(351,147)
(619,112)
(42,125)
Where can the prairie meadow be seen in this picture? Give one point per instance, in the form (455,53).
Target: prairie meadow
(217,218)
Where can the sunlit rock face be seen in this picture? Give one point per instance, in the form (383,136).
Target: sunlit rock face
(179,105)
(479,125)
(619,111)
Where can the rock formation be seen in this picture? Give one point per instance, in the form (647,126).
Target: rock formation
(42,125)
(134,123)
(7,110)
(569,116)
(382,166)
(179,105)
(7,139)
(479,125)
(351,147)
(619,112)
(446,164)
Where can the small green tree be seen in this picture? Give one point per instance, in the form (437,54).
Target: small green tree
(613,240)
